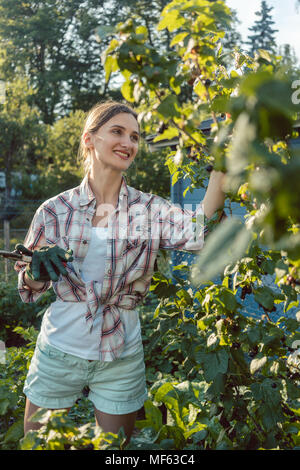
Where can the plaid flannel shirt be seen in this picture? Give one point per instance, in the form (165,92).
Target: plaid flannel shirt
(138,228)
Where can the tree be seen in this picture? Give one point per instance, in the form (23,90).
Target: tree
(54,44)
(232,39)
(146,14)
(263,33)
(289,58)
(22,135)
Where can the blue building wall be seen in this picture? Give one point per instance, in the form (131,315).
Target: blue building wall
(250,306)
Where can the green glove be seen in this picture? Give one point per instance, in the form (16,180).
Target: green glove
(47,262)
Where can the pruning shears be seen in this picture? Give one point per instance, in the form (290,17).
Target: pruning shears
(15,255)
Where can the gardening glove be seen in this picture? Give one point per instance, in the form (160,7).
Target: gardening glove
(47,262)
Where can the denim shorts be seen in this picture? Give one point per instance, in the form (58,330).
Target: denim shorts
(56,380)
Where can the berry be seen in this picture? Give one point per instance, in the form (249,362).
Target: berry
(259,260)
(291,281)
(246,290)
(245,197)
(235,326)
(253,352)
(195,50)
(209,168)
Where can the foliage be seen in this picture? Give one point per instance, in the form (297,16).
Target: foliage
(192,404)
(55,45)
(250,389)
(158,180)
(58,433)
(240,360)
(12,376)
(218,378)
(15,313)
(21,134)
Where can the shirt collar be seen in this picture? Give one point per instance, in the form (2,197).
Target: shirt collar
(86,194)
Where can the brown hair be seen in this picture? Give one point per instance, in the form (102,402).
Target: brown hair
(97,117)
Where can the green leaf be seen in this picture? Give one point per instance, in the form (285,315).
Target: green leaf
(228,300)
(155,338)
(178,38)
(103,31)
(169,107)
(200,89)
(31,441)
(175,177)
(174,85)
(168,395)
(266,392)
(184,294)
(163,391)
(153,417)
(213,363)
(127,91)
(171,436)
(257,364)
(225,245)
(4,405)
(142,30)
(171,21)
(111,65)
(264,54)
(264,296)
(42,415)
(269,399)
(169,133)
(217,387)
(15,432)
(185,191)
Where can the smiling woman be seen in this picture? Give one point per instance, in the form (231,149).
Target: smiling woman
(109,145)
(91,335)
(108,117)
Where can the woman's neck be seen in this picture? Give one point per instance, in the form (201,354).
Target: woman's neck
(105,185)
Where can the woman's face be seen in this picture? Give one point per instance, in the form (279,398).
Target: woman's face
(115,144)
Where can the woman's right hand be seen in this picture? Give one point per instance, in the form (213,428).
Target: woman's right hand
(47,262)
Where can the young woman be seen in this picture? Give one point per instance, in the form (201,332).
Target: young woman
(96,245)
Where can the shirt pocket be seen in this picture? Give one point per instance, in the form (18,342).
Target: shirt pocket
(132,243)
(133,250)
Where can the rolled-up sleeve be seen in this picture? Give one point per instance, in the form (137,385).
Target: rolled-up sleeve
(184,229)
(34,239)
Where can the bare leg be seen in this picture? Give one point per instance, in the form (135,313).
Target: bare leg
(113,423)
(30,409)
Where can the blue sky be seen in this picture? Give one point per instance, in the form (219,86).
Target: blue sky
(285,14)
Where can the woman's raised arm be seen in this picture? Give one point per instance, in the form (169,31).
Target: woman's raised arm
(214,197)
